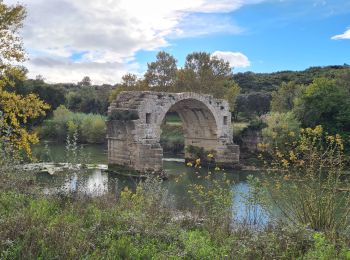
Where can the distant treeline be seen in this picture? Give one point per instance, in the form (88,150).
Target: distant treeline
(268,82)
(82,97)
(248,93)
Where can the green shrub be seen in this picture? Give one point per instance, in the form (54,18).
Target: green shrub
(323,249)
(307,182)
(280,128)
(196,152)
(91,128)
(198,245)
(123,115)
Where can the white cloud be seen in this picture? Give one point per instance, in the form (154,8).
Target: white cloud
(345,35)
(65,70)
(236,59)
(199,25)
(110,32)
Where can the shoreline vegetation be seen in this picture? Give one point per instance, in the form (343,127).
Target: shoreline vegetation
(141,222)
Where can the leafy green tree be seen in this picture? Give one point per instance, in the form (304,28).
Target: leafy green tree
(257,82)
(85,82)
(281,127)
(162,72)
(283,98)
(207,74)
(325,102)
(15,109)
(73,100)
(231,95)
(252,104)
(129,80)
(88,101)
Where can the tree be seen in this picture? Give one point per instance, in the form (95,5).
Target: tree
(40,78)
(325,102)
(283,98)
(129,80)
(253,104)
(204,73)
(231,95)
(85,82)
(281,127)
(15,109)
(162,72)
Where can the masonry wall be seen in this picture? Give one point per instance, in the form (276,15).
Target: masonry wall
(134,127)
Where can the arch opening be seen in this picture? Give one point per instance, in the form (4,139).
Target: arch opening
(172,138)
(199,126)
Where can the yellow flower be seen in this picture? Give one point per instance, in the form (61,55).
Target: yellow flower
(330,138)
(278,185)
(189,164)
(291,134)
(292,156)
(279,154)
(210,155)
(318,130)
(198,162)
(217,168)
(339,141)
(285,163)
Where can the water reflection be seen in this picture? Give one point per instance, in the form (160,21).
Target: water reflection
(98,182)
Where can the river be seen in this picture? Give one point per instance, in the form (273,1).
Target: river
(96,182)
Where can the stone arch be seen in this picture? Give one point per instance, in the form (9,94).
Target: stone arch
(134,127)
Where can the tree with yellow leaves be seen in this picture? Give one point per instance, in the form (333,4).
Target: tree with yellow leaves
(15,109)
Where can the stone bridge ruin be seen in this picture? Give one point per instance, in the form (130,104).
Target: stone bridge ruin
(134,127)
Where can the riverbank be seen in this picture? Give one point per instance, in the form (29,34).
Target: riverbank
(140,224)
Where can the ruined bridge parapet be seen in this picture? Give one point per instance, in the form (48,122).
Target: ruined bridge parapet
(134,127)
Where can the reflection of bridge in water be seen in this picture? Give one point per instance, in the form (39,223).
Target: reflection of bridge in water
(135,118)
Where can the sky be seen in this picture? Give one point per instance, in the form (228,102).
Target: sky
(66,40)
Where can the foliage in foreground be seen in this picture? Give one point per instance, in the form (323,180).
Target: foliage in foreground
(308,182)
(15,110)
(140,224)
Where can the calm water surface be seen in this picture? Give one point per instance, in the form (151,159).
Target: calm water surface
(97,182)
